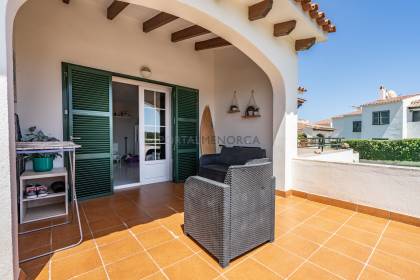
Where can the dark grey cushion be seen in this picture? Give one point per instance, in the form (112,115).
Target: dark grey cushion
(216,172)
(215,167)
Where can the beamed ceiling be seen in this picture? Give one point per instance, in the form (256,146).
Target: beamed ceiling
(178,29)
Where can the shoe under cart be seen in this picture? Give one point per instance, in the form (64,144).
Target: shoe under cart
(52,204)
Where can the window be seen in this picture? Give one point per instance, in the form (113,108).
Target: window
(357,126)
(154,125)
(416,116)
(380,117)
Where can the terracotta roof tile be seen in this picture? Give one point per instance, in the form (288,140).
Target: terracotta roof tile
(312,9)
(415,104)
(390,100)
(354,113)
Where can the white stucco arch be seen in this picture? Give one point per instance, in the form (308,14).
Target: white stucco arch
(228,19)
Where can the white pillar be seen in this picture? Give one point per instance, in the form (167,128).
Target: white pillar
(285,127)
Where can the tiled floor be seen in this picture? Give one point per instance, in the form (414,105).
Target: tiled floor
(137,234)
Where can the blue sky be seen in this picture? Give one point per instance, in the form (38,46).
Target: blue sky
(377,43)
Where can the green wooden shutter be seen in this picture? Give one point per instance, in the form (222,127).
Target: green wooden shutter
(185,130)
(89,94)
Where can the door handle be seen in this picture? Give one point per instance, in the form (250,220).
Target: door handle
(75,138)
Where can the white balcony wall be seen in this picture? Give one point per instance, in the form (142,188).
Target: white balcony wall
(390,188)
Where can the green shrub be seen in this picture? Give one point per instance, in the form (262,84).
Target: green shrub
(396,150)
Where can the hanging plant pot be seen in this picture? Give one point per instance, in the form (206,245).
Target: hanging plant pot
(252,110)
(43,164)
(234,107)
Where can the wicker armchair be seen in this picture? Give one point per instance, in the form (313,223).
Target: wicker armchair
(233,217)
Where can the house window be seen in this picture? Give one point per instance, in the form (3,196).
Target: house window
(380,117)
(416,116)
(357,126)
(154,125)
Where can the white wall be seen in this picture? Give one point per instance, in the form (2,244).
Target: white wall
(344,126)
(336,156)
(392,131)
(50,32)
(413,130)
(235,71)
(394,189)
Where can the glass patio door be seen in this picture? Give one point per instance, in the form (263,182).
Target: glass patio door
(155,132)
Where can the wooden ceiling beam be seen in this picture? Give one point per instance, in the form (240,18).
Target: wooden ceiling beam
(211,43)
(259,10)
(284,28)
(304,44)
(158,21)
(115,8)
(188,33)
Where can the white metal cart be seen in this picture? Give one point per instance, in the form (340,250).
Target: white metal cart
(25,148)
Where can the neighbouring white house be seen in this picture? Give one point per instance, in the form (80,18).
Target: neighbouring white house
(316,129)
(389,117)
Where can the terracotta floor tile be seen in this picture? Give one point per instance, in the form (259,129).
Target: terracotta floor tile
(140,225)
(286,224)
(399,248)
(395,265)
(154,237)
(176,229)
(309,271)
(360,236)
(403,228)
(250,269)
(403,233)
(177,218)
(31,241)
(106,222)
(190,268)
(170,252)
(191,243)
(349,248)
(299,224)
(131,212)
(372,273)
(34,225)
(38,273)
(297,245)
(113,252)
(322,224)
(96,274)
(334,215)
(111,235)
(156,276)
(134,267)
(294,214)
(312,234)
(337,264)
(75,264)
(278,260)
(34,252)
(86,244)
(360,221)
